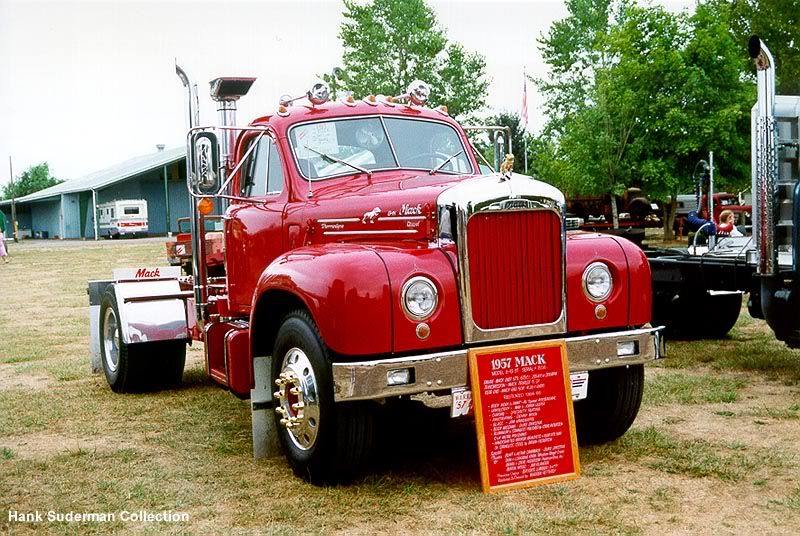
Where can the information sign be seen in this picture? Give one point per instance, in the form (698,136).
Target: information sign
(523,415)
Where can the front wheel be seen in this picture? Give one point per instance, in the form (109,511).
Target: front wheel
(611,405)
(324,442)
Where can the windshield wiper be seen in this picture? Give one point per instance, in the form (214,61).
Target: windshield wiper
(440,166)
(339,161)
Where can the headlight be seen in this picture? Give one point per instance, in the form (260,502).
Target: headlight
(597,282)
(419,298)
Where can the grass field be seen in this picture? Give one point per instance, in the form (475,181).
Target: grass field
(714,450)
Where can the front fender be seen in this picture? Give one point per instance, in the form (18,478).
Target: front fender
(345,288)
(629,303)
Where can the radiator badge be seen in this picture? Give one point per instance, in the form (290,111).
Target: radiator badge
(371,216)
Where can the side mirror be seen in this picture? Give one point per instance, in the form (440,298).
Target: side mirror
(205,163)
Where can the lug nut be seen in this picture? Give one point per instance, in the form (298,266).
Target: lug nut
(294,391)
(281,410)
(278,394)
(298,405)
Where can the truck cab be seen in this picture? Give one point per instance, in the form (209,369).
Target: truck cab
(365,254)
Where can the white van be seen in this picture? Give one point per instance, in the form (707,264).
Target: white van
(125,217)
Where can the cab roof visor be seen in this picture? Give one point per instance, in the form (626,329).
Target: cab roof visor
(230,88)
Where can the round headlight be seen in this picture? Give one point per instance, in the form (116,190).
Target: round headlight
(419,298)
(597,282)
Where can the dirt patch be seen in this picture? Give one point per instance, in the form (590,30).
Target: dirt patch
(11,379)
(45,445)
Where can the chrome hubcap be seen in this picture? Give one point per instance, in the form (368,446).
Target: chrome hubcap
(111,340)
(297,399)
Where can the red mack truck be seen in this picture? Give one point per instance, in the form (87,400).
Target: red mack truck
(364,256)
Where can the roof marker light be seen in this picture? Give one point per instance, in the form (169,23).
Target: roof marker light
(318,94)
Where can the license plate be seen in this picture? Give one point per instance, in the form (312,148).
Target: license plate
(579,381)
(462,396)
(462,402)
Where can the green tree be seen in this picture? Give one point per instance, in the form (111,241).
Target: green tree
(777,23)
(661,91)
(390,43)
(31,180)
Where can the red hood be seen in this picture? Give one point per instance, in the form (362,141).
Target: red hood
(389,207)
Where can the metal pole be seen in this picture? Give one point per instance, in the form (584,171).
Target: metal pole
(712,240)
(14,231)
(166,199)
(711,185)
(94,212)
(525,150)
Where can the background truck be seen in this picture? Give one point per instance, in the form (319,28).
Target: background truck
(634,211)
(122,217)
(699,292)
(364,256)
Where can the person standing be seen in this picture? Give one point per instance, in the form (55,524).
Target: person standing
(3,252)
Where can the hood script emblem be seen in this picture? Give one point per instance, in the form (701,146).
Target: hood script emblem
(371,216)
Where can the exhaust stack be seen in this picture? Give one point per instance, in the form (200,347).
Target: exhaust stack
(225,92)
(766,157)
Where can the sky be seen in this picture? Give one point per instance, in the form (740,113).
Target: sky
(85,85)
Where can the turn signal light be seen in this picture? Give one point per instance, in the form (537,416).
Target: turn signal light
(205,206)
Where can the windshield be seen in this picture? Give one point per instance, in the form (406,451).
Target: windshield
(329,148)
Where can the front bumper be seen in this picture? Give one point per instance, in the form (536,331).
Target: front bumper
(367,380)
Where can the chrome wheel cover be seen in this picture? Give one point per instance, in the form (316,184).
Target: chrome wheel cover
(297,399)
(111,340)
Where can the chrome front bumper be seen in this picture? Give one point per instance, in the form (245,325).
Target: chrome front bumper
(365,380)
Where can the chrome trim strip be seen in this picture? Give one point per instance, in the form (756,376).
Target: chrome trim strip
(401,218)
(387,231)
(339,220)
(482,194)
(365,380)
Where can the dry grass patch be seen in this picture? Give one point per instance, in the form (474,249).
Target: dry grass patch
(67,443)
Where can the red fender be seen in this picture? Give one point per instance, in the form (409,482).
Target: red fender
(629,303)
(346,290)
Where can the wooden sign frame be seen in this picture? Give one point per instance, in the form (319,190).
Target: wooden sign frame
(563,397)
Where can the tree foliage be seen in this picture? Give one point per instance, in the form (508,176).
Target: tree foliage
(390,43)
(31,180)
(654,92)
(777,23)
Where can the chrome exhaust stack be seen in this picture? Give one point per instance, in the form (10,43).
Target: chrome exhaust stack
(766,158)
(196,225)
(225,92)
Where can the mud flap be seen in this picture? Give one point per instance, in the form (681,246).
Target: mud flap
(265,433)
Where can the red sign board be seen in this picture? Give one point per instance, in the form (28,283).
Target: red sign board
(523,415)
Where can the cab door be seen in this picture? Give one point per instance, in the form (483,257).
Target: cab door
(254,234)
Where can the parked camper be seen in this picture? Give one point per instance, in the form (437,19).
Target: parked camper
(125,217)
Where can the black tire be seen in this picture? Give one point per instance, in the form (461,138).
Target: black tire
(697,315)
(337,447)
(722,313)
(136,367)
(611,405)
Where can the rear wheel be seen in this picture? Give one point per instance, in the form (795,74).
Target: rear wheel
(325,442)
(698,315)
(135,367)
(611,405)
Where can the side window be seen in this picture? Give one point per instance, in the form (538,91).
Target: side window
(263,173)
(274,171)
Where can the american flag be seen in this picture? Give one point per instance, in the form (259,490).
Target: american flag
(524,113)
